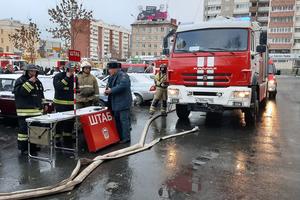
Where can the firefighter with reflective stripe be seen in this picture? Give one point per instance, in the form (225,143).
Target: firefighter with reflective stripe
(88,87)
(29,94)
(161,91)
(64,101)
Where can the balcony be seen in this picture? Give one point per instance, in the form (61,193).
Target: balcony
(263,9)
(263,1)
(262,19)
(241,11)
(253,9)
(297,35)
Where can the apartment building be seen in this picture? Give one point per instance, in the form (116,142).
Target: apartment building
(7,27)
(226,8)
(98,40)
(147,36)
(259,11)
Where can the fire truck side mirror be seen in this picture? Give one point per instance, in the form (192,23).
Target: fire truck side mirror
(278,72)
(261,49)
(263,38)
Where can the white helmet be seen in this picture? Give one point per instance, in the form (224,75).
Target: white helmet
(85,64)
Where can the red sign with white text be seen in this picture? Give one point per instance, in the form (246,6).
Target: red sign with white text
(99,130)
(74,55)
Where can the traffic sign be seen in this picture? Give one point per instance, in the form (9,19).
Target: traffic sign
(74,55)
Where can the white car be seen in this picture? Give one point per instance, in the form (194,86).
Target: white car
(103,98)
(142,86)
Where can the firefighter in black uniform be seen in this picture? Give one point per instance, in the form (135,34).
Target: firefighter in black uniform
(29,94)
(64,101)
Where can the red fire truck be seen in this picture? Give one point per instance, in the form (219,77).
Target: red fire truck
(218,65)
(12,59)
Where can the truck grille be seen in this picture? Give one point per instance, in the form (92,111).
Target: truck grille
(203,79)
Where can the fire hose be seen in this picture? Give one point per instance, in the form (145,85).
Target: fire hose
(76,178)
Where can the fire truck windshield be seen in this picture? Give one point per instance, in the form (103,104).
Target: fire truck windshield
(212,40)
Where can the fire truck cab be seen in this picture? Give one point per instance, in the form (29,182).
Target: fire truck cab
(218,65)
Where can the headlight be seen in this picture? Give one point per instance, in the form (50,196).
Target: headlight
(173,92)
(241,94)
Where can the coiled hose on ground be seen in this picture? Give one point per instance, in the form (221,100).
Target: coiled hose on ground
(76,178)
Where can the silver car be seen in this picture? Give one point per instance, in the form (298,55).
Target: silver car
(102,86)
(141,87)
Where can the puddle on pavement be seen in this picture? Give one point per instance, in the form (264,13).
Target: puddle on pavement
(187,181)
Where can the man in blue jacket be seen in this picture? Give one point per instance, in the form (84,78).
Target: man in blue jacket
(119,99)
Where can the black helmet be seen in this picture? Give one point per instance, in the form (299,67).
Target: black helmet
(163,68)
(113,65)
(31,67)
(70,65)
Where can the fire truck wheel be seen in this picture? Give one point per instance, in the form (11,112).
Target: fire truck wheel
(182,111)
(251,113)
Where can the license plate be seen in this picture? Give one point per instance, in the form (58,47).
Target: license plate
(204,100)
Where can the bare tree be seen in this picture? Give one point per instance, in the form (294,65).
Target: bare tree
(26,38)
(63,15)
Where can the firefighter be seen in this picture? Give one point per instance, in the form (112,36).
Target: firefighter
(161,91)
(64,101)
(29,94)
(88,87)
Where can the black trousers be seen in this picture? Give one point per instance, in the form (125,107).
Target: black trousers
(64,128)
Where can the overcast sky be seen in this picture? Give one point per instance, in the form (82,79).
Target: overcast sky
(111,11)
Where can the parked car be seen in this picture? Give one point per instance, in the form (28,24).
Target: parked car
(103,98)
(141,86)
(97,73)
(272,82)
(7,100)
(134,68)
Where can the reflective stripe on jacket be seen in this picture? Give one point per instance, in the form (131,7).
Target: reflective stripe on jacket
(28,96)
(64,91)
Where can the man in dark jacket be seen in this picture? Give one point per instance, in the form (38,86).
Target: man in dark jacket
(64,101)
(120,99)
(29,93)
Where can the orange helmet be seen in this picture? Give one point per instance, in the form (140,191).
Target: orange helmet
(270,62)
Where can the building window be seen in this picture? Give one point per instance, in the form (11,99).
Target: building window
(143,45)
(297,30)
(144,38)
(280,40)
(136,53)
(162,29)
(283,8)
(7,48)
(281,30)
(149,54)
(2,41)
(143,54)
(242,5)
(297,41)
(149,45)
(1,31)
(281,19)
(155,45)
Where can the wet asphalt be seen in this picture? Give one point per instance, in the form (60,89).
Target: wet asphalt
(225,159)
